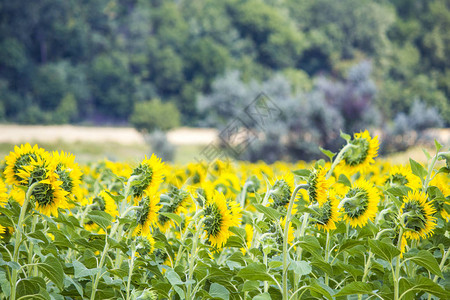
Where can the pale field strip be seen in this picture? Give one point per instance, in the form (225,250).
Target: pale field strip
(17,134)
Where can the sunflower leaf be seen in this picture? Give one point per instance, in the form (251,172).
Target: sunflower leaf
(53,270)
(328,153)
(255,271)
(437,145)
(302,172)
(101,218)
(425,259)
(383,250)
(345,136)
(173,217)
(355,288)
(417,169)
(269,212)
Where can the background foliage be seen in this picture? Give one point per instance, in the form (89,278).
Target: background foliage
(101,57)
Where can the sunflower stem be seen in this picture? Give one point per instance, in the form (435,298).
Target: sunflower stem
(397,266)
(30,249)
(192,258)
(244,194)
(327,255)
(338,159)
(18,239)
(105,250)
(285,240)
(185,234)
(130,272)
(430,171)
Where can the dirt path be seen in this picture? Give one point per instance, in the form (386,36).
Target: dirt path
(122,135)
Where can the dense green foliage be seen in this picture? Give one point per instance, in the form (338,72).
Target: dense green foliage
(75,61)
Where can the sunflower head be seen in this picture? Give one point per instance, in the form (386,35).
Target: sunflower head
(107,203)
(151,175)
(21,157)
(362,153)
(402,176)
(417,216)
(3,194)
(69,173)
(146,216)
(175,202)
(327,214)
(217,220)
(281,190)
(317,186)
(48,196)
(360,203)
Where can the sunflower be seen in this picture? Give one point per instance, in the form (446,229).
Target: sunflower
(3,194)
(249,234)
(417,216)
(228,184)
(49,195)
(327,214)
(151,172)
(69,173)
(218,220)
(20,158)
(282,190)
(147,215)
(442,183)
(147,245)
(235,211)
(362,154)
(178,203)
(107,203)
(317,186)
(360,203)
(401,176)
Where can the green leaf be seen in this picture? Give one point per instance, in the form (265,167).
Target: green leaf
(101,218)
(399,191)
(427,154)
(275,264)
(81,271)
(300,267)
(53,270)
(418,169)
(69,281)
(250,285)
(383,250)
(264,296)
(173,217)
(235,242)
(31,288)
(426,259)
(422,284)
(269,212)
(255,271)
(311,244)
(219,291)
(4,283)
(344,180)
(302,172)
(437,145)
(355,288)
(328,153)
(173,277)
(321,289)
(345,136)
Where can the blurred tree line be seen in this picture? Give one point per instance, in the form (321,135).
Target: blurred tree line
(93,61)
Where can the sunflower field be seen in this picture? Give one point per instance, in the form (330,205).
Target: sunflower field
(349,228)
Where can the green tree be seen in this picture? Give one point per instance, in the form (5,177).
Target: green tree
(154,115)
